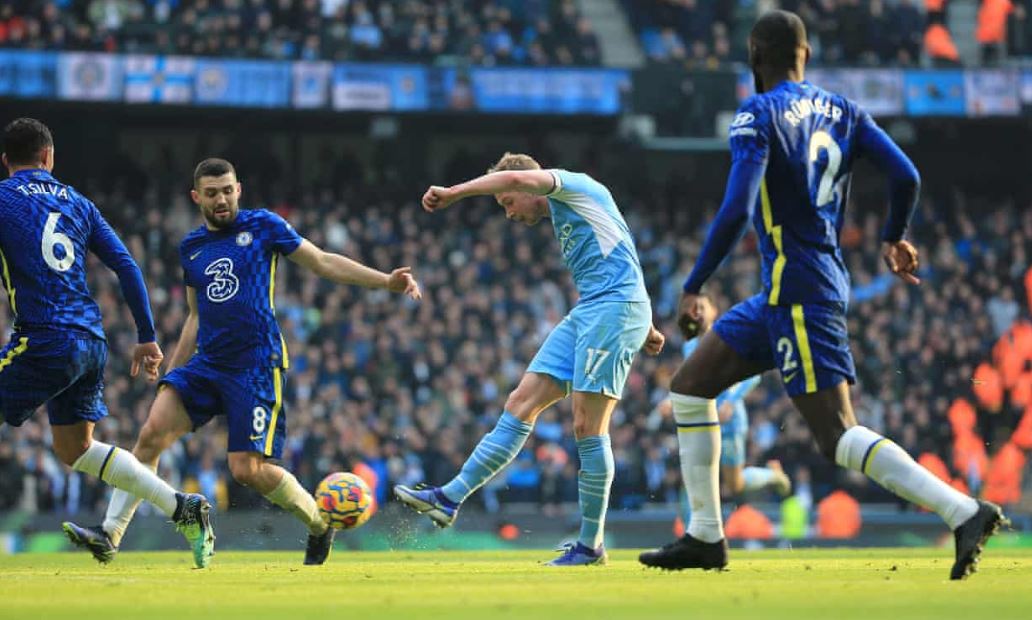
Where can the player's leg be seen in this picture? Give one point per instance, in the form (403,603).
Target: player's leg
(545,382)
(770,477)
(166,422)
(256,417)
(132,479)
(609,337)
(817,380)
(734,349)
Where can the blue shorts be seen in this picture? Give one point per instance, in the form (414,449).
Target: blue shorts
(251,399)
(732,439)
(593,347)
(807,343)
(66,372)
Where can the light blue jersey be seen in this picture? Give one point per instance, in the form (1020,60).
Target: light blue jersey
(592,349)
(732,432)
(595,240)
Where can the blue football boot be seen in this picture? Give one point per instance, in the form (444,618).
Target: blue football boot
(94,539)
(577,554)
(429,501)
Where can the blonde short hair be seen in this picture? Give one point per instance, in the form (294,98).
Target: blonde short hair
(515,161)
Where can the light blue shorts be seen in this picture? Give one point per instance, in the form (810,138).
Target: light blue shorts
(592,348)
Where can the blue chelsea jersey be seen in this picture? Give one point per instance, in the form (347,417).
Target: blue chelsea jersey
(807,136)
(234,274)
(46,228)
(594,239)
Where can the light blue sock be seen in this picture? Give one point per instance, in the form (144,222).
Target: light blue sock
(491,455)
(593,482)
(756,478)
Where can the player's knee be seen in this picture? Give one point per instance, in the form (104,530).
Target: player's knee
(151,442)
(520,404)
(827,443)
(243,470)
(69,451)
(686,383)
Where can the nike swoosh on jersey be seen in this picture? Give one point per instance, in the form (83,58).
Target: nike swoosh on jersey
(788,378)
(193,256)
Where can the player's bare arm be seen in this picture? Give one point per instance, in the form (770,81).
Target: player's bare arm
(347,271)
(188,336)
(539,182)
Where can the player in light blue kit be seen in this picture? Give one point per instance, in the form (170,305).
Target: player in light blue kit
(734,428)
(589,353)
(231,358)
(793,146)
(57,353)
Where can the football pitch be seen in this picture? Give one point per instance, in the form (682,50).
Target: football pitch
(768,585)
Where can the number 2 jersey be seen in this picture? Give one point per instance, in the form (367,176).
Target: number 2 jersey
(809,138)
(233,271)
(46,228)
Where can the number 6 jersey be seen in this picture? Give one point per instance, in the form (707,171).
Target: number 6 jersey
(809,139)
(46,228)
(233,271)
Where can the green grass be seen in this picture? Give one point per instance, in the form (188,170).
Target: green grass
(880,584)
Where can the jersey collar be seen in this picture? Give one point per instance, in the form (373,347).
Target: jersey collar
(34,173)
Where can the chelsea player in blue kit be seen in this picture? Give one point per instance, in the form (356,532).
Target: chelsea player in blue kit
(231,357)
(589,353)
(57,352)
(793,146)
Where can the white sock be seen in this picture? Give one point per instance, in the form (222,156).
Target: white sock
(865,451)
(119,514)
(698,435)
(120,469)
(292,497)
(756,478)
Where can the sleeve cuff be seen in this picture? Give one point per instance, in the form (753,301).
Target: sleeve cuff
(557,181)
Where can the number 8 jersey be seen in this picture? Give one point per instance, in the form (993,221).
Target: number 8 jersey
(809,139)
(233,272)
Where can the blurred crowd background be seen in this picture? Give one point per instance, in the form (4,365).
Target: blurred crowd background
(405,389)
(697,33)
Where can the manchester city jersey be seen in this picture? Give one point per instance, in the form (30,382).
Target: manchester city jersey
(46,228)
(234,273)
(807,138)
(594,239)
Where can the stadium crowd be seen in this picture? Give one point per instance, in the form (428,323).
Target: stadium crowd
(405,389)
(483,32)
(696,33)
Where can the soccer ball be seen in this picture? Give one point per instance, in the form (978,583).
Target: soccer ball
(344,500)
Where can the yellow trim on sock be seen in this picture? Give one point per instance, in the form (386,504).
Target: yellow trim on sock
(799,322)
(870,457)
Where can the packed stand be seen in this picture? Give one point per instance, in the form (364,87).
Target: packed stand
(480,32)
(408,388)
(860,33)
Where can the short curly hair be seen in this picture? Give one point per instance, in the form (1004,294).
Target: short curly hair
(515,161)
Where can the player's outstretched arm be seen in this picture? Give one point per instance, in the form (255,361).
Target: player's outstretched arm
(104,242)
(346,271)
(188,336)
(538,182)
